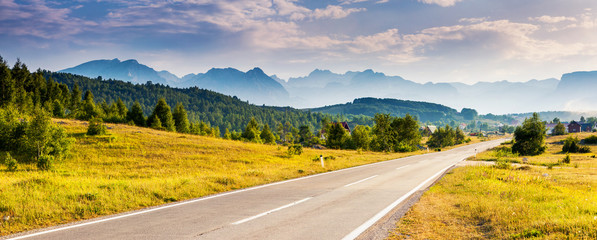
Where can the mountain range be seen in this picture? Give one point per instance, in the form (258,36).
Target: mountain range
(573,92)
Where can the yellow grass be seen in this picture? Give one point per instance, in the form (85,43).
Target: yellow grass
(133,168)
(521,202)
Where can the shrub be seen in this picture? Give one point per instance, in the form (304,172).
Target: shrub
(590,140)
(295,149)
(571,146)
(11,163)
(96,127)
(566,159)
(45,162)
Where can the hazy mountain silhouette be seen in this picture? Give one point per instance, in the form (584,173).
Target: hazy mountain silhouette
(254,85)
(574,92)
(129,70)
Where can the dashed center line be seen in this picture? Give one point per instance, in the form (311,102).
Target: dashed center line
(360,181)
(270,211)
(402,167)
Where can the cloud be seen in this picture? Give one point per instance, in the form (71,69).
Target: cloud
(334,12)
(550,19)
(473,20)
(37,18)
(443,3)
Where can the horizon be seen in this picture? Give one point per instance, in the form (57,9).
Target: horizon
(465,41)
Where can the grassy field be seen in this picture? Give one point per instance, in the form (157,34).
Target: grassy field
(133,168)
(544,199)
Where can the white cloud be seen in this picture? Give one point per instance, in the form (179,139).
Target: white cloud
(443,3)
(473,20)
(552,19)
(334,12)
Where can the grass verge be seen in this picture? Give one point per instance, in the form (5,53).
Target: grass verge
(510,202)
(133,168)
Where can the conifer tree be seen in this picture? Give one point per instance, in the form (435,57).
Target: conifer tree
(121,108)
(6,84)
(156,123)
(180,119)
(163,112)
(75,99)
(267,136)
(251,132)
(136,114)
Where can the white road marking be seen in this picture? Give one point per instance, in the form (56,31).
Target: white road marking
(213,196)
(358,231)
(203,199)
(402,167)
(360,181)
(270,211)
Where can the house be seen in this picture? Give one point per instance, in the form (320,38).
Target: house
(574,127)
(587,127)
(345,126)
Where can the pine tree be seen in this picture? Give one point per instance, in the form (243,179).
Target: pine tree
(251,132)
(163,112)
(227,134)
(6,84)
(267,135)
(121,108)
(180,119)
(136,115)
(57,109)
(75,100)
(156,123)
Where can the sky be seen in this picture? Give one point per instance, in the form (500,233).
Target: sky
(420,40)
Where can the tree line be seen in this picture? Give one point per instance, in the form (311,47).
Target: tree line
(29,99)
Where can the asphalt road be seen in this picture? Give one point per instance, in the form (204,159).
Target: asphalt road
(333,205)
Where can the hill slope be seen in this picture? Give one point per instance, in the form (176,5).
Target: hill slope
(370,106)
(205,105)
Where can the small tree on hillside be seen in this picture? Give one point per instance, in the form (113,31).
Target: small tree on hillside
(530,137)
(180,119)
(135,114)
(163,112)
(96,127)
(251,132)
(267,136)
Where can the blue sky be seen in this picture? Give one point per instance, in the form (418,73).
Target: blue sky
(421,40)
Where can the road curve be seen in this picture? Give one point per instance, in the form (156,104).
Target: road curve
(333,205)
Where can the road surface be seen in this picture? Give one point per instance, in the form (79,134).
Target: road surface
(333,205)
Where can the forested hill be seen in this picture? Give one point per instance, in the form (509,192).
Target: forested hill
(204,105)
(424,111)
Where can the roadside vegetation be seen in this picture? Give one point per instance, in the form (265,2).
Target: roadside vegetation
(551,195)
(131,168)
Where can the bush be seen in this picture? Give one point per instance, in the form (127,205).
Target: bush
(566,159)
(96,127)
(295,149)
(11,163)
(571,146)
(590,140)
(45,162)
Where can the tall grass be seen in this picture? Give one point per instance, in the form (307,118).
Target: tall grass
(132,168)
(510,203)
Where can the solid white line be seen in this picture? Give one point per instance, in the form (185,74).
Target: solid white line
(402,167)
(203,199)
(360,181)
(214,196)
(358,231)
(270,211)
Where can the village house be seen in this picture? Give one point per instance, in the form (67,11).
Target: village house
(574,127)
